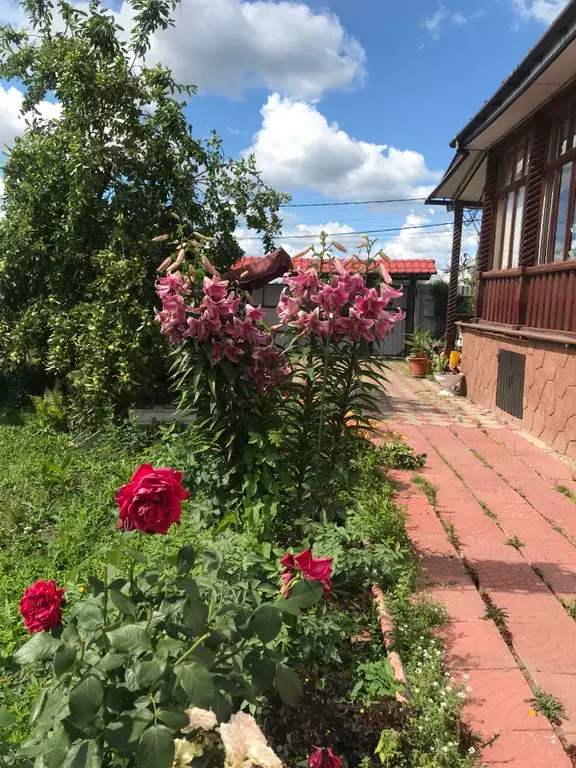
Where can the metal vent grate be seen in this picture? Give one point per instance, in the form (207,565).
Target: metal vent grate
(510,387)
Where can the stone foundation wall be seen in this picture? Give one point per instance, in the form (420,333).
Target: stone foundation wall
(549,387)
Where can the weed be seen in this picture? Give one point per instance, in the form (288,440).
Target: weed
(481,458)
(430,490)
(515,542)
(538,572)
(488,511)
(374,680)
(520,493)
(570,606)
(566,492)
(497,615)
(452,535)
(548,705)
(389,748)
(471,572)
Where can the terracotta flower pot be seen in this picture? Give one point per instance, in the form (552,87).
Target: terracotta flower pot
(418,366)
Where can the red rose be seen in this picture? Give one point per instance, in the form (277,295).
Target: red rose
(324,758)
(315,568)
(41,606)
(152,500)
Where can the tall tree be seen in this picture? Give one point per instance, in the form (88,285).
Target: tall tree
(86,192)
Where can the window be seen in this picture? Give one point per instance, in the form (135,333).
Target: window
(511,185)
(558,216)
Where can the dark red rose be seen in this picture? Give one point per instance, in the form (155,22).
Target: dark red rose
(314,568)
(152,500)
(41,606)
(324,758)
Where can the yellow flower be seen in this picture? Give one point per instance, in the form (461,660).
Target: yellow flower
(395,434)
(81,589)
(532,713)
(362,711)
(404,437)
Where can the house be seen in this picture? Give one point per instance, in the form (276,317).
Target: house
(516,160)
(411,273)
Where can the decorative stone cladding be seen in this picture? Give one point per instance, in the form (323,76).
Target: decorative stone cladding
(549,387)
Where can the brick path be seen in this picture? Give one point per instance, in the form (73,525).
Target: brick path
(493,484)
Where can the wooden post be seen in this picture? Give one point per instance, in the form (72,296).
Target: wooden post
(410,309)
(454,272)
(486,233)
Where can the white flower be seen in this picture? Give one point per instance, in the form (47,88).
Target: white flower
(185,752)
(469,689)
(200,718)
(449,688)
(462,695)
(245,744)
(471,751)
(466,677)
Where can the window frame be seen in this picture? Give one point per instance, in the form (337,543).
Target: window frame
(553,168)
(507,159)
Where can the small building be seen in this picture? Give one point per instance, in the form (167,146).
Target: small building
(516,160)
(410,273)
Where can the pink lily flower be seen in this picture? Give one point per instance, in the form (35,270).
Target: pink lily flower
(370,303)
(216,288)
(287,307)
(172,284)
(203,327)
(310,322)
(331,298)
(388,293)
(303,280)
(354,326)
(255,313)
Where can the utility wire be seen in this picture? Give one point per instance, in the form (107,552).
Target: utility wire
(365,232)
(353,202)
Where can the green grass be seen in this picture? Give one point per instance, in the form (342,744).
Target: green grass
(566,492)
(515,542)
(430,490)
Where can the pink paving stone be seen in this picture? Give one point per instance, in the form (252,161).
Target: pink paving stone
(462,603)
(563,687)
(476,645)
(498,703)
(424,524)
(555,549)
(511,577)
(432,544)
(442,570)
(545,647)
(562,579)
(533,526)
(538,607)
(533,456)
(527,749)
(488,548)
(470,524)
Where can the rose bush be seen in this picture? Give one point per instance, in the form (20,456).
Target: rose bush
(152,500)
(306,566)
(324,758)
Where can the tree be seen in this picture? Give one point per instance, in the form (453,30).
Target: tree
(86,192)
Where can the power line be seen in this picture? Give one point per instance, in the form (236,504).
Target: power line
(353,202)
(346,234)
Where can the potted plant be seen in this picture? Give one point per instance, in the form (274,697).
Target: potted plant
(446,374)
(418,342)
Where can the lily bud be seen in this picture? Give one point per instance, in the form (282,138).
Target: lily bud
(339,246)
(165,263)
(245,273)
(160,238)
(202,237)
(209,266)
(302,253)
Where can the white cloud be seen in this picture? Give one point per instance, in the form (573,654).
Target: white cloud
(12,123)
(434,23)
(428,243)
(297,147)
(297,236)
(225,46)
(544,11)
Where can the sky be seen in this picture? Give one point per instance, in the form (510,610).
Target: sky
(340,101)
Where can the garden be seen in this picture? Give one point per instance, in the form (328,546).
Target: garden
(210,592)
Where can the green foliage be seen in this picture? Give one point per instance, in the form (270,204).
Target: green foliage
(399,455)
(548,705)
(50,410)
(375,680)
(566,492)
(419,342)
(389,748)
(87,191)
(148,641)
(430,490)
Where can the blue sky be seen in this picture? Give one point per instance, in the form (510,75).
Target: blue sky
(344,99)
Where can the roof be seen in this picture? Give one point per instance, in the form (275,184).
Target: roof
(546,70)
(397,267)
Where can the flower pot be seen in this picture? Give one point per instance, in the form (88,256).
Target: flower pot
(449,381)
(418,366)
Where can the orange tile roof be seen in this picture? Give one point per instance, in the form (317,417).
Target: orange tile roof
(353,264)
